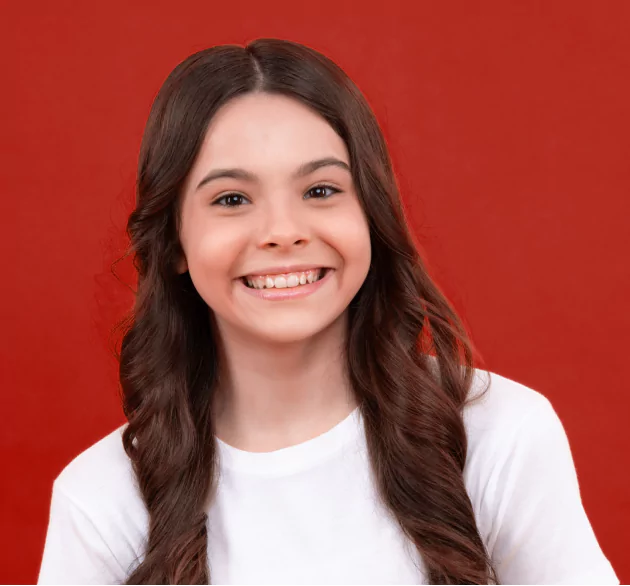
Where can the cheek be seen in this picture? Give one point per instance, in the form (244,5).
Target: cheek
(212,256)
(349,233)
(217,247)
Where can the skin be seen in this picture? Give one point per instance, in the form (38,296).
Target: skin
(282,374)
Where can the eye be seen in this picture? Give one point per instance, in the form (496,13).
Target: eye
(319,191)
(230,200)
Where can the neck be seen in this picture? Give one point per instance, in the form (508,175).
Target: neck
(272,396)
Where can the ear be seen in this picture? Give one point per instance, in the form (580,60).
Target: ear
(182,265)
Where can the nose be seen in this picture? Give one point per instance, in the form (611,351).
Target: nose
(284,228)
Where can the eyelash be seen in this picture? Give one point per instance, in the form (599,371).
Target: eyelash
(228,195)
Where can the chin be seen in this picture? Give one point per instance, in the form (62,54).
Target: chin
(288,335)
(292,331)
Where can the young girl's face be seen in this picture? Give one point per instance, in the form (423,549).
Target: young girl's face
(282,211)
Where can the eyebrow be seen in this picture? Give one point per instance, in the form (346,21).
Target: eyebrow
(302,171)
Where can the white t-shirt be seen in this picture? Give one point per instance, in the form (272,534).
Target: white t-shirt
(308,514)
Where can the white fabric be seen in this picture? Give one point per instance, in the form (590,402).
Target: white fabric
(308,514)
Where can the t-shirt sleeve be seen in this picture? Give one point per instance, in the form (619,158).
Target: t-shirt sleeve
(540,531)
(75,552)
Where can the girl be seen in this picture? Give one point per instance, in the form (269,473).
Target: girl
(301,399)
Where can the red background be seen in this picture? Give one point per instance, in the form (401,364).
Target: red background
(509,128)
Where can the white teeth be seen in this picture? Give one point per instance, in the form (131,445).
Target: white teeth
(284,281)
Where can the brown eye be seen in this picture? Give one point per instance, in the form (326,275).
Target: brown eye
(230,200)
(319,191)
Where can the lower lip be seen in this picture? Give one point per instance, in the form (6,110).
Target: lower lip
(286,293)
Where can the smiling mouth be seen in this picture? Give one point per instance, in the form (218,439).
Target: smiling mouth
(286,280)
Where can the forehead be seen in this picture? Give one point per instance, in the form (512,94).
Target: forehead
(265,132)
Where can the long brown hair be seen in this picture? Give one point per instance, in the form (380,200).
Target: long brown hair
(399,322)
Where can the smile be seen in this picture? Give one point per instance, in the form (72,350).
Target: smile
(284,280)
(287,286)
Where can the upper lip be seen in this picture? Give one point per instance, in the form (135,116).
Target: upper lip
(278,270)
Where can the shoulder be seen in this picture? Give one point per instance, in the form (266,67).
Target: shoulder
(101,478)
(507,422)
(514,436)
(511,429)
(98,521)
(524,489)
(499,406)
